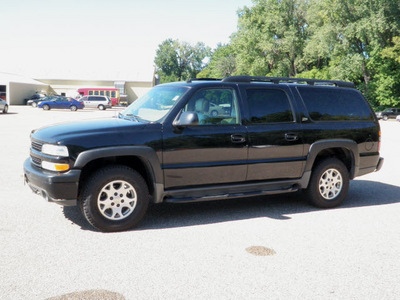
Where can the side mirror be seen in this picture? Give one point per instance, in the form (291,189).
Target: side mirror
(187,118)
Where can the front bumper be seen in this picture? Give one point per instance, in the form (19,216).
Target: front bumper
(61,188)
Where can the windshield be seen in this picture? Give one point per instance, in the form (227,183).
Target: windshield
(154,105)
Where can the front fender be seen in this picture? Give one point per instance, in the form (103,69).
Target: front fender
(146,154)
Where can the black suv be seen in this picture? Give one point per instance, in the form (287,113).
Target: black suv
(275,135)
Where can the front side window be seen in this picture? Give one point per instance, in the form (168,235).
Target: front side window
(154,105)
(269,106)
(90,93)
(215,106)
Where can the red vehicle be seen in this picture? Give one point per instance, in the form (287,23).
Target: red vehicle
(113,94)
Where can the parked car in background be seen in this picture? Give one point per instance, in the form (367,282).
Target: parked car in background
(100,102)
(3,106)
(62,103)
(388,113)
(216,110)
(35,102)
(35,99)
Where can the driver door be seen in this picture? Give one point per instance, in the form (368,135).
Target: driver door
(214,151)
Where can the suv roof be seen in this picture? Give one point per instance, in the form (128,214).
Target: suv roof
(278,80)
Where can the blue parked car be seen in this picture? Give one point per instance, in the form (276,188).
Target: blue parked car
(61,102)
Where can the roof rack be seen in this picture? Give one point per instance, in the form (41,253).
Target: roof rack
(202,79)
(277,80)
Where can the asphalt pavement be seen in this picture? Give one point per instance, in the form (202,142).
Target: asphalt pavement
(252,248)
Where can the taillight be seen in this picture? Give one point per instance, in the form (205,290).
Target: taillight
(379,141)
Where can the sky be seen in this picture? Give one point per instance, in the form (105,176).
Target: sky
(98,39)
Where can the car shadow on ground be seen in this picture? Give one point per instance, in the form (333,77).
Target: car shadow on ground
(280,207)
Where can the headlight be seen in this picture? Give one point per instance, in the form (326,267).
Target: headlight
(55,166)
(55,150)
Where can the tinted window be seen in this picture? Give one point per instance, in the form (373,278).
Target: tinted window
(334,104)
(269,106)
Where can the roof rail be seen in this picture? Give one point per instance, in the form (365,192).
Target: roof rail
(204,79)
(277,80)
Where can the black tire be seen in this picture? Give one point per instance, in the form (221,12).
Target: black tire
(102,209)
(5,109)
(385,117)
(73,108)
(101,107)
(34,104)
(214,113)
(46,107)
(329,184)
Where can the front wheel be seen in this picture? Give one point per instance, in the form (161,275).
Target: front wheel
(385,118)
(115,198)
(329,184)
(34,104)
(46,107)
(5,109)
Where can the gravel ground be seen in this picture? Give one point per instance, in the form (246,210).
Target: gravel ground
(253,248)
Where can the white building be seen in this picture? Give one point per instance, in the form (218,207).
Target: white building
(18,88)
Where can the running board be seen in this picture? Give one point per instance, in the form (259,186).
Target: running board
(172,199)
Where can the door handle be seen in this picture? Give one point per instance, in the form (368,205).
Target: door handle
(238,138)
(291,137)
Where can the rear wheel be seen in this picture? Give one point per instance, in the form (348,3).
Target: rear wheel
(46,107)
(34,104)
(385,117)
(329,184)
(115,198)
(73,108)
(101,107)
(5,109)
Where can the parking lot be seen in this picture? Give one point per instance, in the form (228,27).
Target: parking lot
(199,250)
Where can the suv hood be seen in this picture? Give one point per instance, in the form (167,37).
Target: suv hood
(67,133)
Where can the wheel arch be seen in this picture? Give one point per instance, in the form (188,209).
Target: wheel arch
(345,150)
(142,159)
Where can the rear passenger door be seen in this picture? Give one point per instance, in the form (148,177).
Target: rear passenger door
(275,138)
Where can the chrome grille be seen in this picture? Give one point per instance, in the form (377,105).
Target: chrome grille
(37,146)
(37,161)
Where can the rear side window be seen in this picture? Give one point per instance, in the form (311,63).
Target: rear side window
(334,104)
(269,106)
(94,98)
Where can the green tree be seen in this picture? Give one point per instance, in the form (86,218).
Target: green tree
(222,63)
(176,61)
(385,86)
(345,34)
(271,37)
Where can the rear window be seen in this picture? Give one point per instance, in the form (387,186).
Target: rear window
(334,104)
